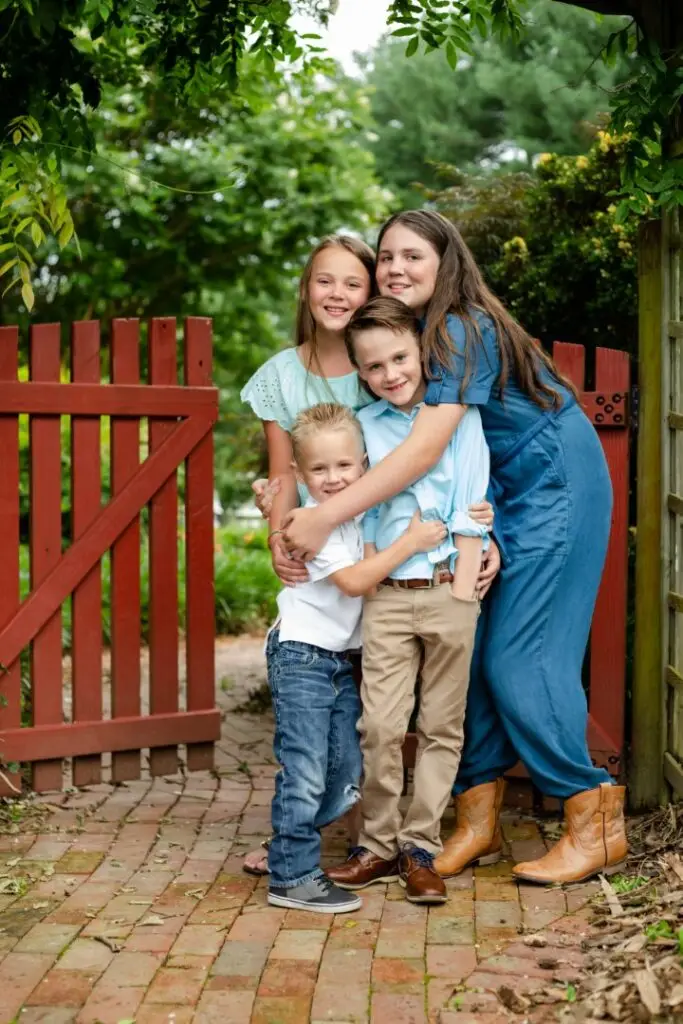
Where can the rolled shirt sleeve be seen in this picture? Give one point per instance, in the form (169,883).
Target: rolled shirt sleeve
(335,555)
(471,481)
(446,387)
(370,523)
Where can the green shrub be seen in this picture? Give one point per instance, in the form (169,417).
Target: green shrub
(551,246)
(246,586)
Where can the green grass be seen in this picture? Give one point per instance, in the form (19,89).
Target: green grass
(664,930)
(624,883)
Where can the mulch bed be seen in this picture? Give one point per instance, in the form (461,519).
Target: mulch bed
(634,970)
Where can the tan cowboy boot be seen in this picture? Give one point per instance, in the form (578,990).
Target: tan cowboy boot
(595,840)
(477,838)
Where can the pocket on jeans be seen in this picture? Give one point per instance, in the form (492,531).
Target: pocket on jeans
(294,653)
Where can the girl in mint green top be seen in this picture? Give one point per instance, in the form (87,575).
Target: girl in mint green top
(337,279)
(283,387)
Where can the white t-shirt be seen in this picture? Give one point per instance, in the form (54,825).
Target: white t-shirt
(317,612)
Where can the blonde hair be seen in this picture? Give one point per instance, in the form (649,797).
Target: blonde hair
(305,324)
(324,416)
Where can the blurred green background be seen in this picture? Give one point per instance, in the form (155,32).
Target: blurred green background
(211,208)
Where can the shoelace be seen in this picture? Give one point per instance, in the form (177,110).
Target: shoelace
(421,857)
(325,885)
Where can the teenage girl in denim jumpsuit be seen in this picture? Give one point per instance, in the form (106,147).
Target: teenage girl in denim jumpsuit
(553,497)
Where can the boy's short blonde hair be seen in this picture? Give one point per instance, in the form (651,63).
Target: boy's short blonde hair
(324,416)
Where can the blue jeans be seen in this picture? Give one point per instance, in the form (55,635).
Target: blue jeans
(316,744)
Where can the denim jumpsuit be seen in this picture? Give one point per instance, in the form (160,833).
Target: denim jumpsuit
(553,499)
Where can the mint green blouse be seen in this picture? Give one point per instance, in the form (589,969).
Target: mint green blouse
(283,387)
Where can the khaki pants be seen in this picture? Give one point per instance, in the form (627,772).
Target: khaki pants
(398,625)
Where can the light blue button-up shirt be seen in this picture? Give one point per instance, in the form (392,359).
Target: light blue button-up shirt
(459,479)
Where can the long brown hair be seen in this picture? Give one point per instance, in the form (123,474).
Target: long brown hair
(305,324)
(461,289)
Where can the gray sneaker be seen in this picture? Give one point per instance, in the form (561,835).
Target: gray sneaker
(319,895)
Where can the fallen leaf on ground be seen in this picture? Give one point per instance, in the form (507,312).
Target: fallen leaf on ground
(648,991)
(513,1000)
(152,919)
(115,947)
(615,907)
(675,996)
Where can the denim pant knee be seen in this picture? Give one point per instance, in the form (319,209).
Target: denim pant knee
(316,744)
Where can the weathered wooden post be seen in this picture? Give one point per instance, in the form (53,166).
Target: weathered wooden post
(657,706)
(646,778)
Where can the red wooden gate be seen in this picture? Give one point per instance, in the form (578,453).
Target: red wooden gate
(607,408)
(180,420)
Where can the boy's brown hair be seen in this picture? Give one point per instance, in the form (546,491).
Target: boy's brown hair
(324,416)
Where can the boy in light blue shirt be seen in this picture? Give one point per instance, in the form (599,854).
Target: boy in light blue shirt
(425,611)
(444,493)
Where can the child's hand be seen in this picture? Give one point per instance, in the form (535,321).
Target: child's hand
(490,567)
(482,512)
(426,535)
(264,492)
(290,570)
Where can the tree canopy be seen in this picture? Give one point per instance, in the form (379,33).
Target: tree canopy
(59,57)
(551,245)
(213,212)
(500,106)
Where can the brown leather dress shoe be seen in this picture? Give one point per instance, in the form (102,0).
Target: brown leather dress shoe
(363,868)
(417,875)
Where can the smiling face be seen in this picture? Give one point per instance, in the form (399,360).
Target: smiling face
(407,266)
(389,363)
(330,460)
(338,285)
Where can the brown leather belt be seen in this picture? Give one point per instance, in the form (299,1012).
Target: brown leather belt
(420,584)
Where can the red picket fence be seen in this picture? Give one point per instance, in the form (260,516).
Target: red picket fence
(607,408)
(180,420)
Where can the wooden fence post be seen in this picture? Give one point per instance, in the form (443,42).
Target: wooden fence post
(646,781)
(10,675)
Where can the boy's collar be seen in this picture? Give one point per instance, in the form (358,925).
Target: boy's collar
(378,408)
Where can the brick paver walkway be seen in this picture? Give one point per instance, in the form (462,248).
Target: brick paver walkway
(131,905)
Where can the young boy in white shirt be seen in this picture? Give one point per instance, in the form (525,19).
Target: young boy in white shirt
(315,698)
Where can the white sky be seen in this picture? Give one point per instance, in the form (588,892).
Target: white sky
(357,25)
